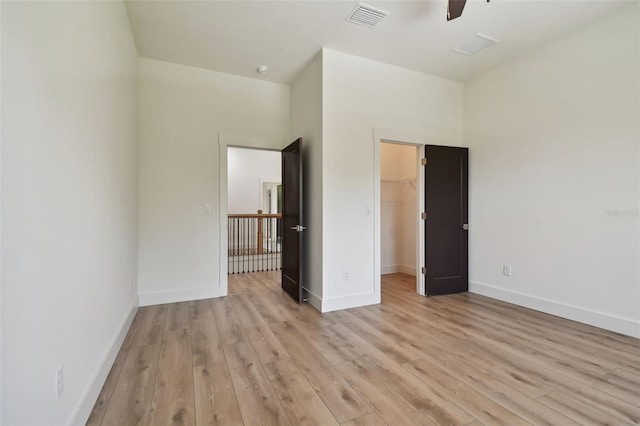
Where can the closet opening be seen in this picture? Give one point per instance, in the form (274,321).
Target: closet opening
(399,226)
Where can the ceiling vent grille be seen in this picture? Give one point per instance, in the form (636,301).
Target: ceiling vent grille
(366,15)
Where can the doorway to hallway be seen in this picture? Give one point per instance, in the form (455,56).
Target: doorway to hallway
(264,241)
(254,200)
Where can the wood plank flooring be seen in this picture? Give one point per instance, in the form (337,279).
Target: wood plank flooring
(257,358)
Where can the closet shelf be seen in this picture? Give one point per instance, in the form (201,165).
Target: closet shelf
(410,181)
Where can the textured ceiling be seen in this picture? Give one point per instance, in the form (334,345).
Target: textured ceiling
(236,36)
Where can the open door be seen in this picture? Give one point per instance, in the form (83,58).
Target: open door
(292,229)
(446,224)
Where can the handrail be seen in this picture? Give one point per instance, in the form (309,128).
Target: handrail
(254,216)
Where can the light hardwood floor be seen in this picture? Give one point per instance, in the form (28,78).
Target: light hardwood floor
(256,357)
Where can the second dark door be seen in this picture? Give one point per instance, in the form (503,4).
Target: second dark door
(446,226)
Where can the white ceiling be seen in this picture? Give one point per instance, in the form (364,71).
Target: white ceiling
(236,36)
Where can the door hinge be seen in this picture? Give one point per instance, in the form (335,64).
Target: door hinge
(424,270)
(424,161)
(424,215)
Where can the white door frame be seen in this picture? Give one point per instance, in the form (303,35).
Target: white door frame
(226,140)
(400,138)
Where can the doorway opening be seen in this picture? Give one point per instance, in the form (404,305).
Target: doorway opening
(254,205)
(283,243)
(399,227)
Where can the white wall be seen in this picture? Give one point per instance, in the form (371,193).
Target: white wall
(398,207)
(306,122)
(247,170)
(69,203)
(360,95)
(182,111)
(554,176)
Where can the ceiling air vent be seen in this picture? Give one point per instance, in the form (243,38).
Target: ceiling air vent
(366,15)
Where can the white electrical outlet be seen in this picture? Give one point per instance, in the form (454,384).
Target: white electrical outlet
(59,382)
(345,275)
(506,270)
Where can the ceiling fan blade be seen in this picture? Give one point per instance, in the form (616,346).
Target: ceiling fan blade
(455,8)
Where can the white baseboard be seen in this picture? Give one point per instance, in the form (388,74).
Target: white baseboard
(82,411)
(393,269)
(314,300)
(610,322)
(351,301)
(173,296)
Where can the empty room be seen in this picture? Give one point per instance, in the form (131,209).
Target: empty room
(320,212)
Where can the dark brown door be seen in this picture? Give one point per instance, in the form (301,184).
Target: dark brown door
(446,205)
(292,229)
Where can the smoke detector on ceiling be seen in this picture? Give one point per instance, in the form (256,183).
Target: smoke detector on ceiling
(263,69)
(366,16)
